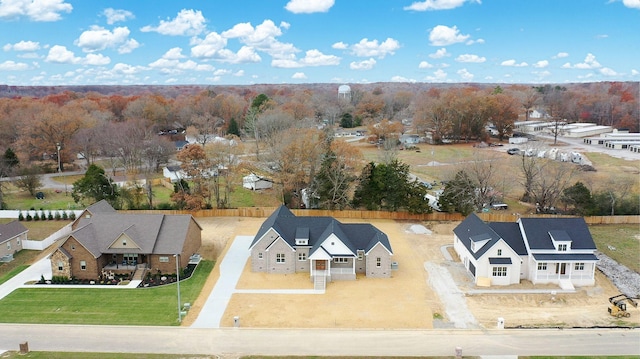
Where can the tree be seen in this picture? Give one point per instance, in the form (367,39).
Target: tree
(233,128)
(96,186)
(579,197)
(197,169)
(459,195)
(10,159)
(29,180)
(346,121)
(332,183)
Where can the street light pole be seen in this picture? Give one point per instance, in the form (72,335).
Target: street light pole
(58,148)
(177,256)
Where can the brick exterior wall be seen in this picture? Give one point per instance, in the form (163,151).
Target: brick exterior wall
(260,264)
(302,266)
(384,271)
(79,254)
(290,258)
(12,246)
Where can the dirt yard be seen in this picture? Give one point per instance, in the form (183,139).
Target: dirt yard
(406,300)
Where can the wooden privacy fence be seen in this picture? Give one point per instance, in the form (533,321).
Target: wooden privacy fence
(356,214)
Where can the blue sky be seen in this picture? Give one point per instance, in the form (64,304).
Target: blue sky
(162,42)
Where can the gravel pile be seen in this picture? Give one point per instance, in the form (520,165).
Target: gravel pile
(627,281)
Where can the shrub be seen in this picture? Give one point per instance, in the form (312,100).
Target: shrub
(29,218)
(20,216)
(164,206)
(50,216)
(65,216)
(36,216)
(72,216)
(58,216)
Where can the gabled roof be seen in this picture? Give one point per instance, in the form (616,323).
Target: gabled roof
(538,229)
(511,234)
(356,236)
(474,227)
(11,230)
(101,206)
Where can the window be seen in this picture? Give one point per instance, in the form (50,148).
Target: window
(18,241)
(302,256)
(499,271)
(259,255)
(60,266)
(499,252)
(124,242)
(73,247)
(542,266)
(562,247)
(83,265)
(341,260)
(360,255)
(163,259)
(9,245)
(279,257)
(378,262)
(579,266)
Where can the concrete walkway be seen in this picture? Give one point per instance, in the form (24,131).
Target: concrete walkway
(230,271)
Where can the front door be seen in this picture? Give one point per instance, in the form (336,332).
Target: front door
(321,265)
(561,268)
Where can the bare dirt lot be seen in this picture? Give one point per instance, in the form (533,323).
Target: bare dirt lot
(407,300)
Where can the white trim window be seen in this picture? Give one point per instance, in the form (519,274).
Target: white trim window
(499,252)
(341,260)
(542,265)
(360,255)
(499,271)
(579,266)
(280,258)
(259,255)
(163,259)
(60,266)
(302,256)
(562,247)
(378,262)
(83,265)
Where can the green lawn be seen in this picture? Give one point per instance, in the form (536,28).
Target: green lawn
(148,306)
(12,273)
(620,242)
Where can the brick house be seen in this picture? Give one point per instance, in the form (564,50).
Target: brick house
(321,246)
(104,241)
(12,235)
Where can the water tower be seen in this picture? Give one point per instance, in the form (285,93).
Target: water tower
(344,92)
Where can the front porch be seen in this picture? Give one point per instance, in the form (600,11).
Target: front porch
(332,271)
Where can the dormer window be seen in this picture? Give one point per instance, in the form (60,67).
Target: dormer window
(562,247)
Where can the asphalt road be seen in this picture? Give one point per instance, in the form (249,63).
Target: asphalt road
(240,341)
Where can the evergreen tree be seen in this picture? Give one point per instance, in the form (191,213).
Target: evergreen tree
(95,186)
(233,128)
(579,197)
(346,121)
(331,184)
(459,195)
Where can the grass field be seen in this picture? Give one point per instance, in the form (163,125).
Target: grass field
(102,306)
(620,242)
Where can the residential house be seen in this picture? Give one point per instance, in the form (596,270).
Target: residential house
(541,250)
(173,173)
(321,246)
(255,182)
(12,235)
(105,241)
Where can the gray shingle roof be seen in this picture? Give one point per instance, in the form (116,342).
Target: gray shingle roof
(537,230)
(356,236)
(11,230)
(474,227)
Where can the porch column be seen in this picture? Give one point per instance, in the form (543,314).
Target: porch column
(312,265)
(353,265)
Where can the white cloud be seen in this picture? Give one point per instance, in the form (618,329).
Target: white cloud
(96,60)
(589,62)
(246,54)
(186,23)
(634,4)
(635,72)
(440,53)
(312,58)
(340,46)
(299,76)
(513,63)
(442,35)
(471,58)
(309,6)
(22,46)
(542,74)
(173,53)
(424,65)
(437,4)
(99,38)
(401,79)
(541,64)
(465,75)
(561,55)
(239,73)
(114,15)
(209,46)
(60,55)
(35,10)
(262,38)
(366,48)
(363,65)
(438,75)
(608,72)
(125,69)
(471,42)
(13,66)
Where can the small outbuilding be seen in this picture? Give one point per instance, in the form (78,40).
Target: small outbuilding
(255,182)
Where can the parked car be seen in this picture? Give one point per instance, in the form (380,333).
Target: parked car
(513,151)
